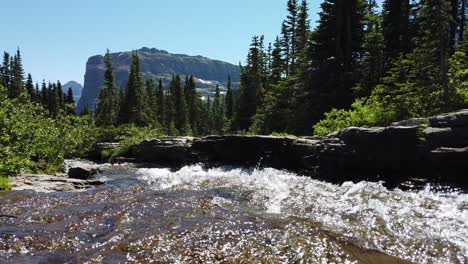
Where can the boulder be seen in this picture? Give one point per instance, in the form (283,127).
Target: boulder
(384,147)
(99,148)
(81,170)
(247,150)
(51,183)
(450,165)
(167,150)
(454,119)
(390,154)
(437,137)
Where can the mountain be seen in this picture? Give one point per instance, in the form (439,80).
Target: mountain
(157,64)
(76,89)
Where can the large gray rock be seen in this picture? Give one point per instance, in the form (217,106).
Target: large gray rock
(51,183)
(454,119)
(268,151)
(455,137)
(384,147)
(156,64)
(81,170)
(169,150)
(450,165)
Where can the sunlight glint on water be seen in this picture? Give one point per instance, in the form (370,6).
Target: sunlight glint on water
(420,226)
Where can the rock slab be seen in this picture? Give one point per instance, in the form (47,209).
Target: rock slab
(51,183)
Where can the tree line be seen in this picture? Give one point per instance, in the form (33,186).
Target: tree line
(359,66)
(177,110)
(49,95)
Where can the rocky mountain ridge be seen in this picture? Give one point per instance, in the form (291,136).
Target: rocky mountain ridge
(157,64)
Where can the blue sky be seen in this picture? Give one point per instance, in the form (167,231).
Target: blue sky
(56,37)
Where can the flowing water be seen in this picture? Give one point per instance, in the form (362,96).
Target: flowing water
(232,215)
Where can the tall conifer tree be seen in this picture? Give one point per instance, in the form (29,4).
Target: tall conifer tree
(107,107)
(134,110)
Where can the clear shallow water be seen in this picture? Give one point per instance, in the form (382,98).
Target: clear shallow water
(233,215)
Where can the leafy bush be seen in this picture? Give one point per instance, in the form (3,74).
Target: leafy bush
(128,136)
(30,141)
(363,113)
(5,184)
(78,135)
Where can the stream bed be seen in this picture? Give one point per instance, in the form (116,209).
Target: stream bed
(232,215)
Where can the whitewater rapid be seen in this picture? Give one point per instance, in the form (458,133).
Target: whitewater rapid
(422,226)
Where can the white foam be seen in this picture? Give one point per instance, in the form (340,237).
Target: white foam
(363,210)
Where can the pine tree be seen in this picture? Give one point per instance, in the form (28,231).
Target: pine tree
(462,24)
(170,114)
(251,87)
(52,103)
(5,73)
(37,92)
(107,107)
(206,127)
(290,30)
(152,102)
(431,58)
(276,63)
(458,74)
(29,86)
(229,100)
(161,104)
(44,95)
(337,44)
(218,112)
(397,33)
(70,107)
(302,30)
(180,107)
(371,67)
(192,98)
(17,75)
(418,82)
(285,48)
(134,110)
(60,97)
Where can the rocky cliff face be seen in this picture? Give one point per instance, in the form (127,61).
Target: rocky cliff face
(156,64)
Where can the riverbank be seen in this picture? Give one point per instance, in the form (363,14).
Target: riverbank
(407,153)
(51,183)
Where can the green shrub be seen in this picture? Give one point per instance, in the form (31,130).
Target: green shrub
(128,136)
(5,184)
(31,141)
(363,113)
